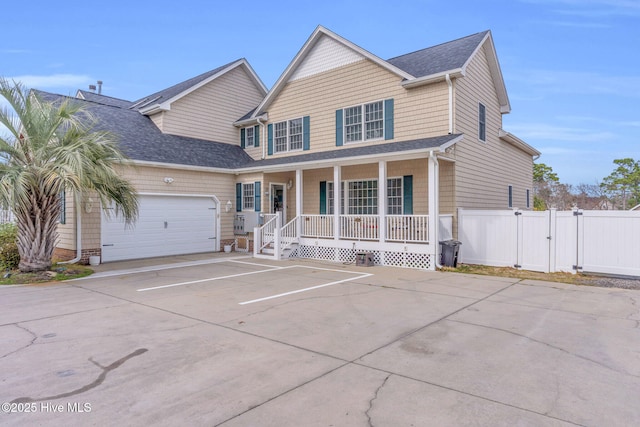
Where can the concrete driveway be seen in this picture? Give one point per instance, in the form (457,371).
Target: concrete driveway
(232,341)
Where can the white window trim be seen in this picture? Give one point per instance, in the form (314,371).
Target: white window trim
(363,123)
(288,124)
(246,137)
(345,200)
(245,207)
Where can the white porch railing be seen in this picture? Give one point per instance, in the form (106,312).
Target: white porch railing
(359,227)
(288,234)
(267,233)
(408,228)
(400,228)
(318,226)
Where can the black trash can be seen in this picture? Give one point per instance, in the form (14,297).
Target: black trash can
(449,254)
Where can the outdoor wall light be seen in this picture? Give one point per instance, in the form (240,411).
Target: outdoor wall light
(289,184)
(168,179)
(227,206)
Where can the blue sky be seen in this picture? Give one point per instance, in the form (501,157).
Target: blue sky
(571,67)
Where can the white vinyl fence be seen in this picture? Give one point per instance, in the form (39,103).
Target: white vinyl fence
(571,241)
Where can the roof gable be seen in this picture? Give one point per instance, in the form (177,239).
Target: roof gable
(323,43)
(163,99)
(103,99)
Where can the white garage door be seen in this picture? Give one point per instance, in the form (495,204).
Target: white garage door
(167,225)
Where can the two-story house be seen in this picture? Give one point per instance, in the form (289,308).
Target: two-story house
(347,153)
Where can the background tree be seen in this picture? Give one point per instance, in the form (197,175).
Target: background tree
(51,148)
(623,184)
(545,182)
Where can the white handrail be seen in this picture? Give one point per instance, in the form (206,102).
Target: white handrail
(267,232)
(318,226)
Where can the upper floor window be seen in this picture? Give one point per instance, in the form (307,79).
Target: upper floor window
(250,137)
(288,135)
(482,122)
(363,127)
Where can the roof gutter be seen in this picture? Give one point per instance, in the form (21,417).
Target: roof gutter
(433,78)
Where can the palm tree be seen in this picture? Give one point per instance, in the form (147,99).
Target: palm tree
(52,147)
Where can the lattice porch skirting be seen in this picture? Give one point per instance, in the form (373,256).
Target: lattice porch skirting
(386,258)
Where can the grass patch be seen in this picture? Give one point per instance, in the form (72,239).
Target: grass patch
(575,279)
(58,272)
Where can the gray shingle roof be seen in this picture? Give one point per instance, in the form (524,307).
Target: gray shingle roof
(166,94)
(140,139)
(105,100)
(440,58)
(353,152)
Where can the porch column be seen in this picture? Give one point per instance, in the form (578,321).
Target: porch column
(434,208)
(382,200)
(337,200)
(299,193)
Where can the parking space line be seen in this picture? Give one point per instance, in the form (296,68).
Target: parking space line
(211,279)
(307,289)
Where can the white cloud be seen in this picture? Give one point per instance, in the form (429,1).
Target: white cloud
(73,81)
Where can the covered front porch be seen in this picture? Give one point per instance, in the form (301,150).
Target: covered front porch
(399,223)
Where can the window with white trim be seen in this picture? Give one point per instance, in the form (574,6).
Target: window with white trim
(363,197)
(249,137)
(287,135)
(482,122)
(248,197)
(528,198)
(372,121)
(394,196)
(510,196)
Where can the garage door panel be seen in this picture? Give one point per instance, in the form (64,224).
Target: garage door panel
(167,225)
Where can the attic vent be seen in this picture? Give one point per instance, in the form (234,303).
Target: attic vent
(92,88)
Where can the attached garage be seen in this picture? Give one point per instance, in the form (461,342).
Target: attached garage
(167,225)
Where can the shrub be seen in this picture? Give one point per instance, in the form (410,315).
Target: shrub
(9,255)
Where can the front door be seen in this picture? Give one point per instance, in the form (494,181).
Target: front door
(278,200)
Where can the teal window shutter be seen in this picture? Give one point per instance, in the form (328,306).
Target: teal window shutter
(407,195)
(256,136)
(306,143)
(388,118)
(323,197)
(339,131)
(257,195)
(242,137)
(270,139)
(238,197)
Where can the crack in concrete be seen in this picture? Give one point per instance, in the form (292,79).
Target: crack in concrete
(33,340)
(579,356)
(94,384)
(373,399)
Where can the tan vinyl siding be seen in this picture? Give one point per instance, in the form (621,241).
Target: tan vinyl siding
(484,170)
(210,111)
(418,113)
(418,168)
(157,120)
(67,231)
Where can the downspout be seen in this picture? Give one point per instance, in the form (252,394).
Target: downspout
(450,84)
(436,198)
(264,141)
(78,232)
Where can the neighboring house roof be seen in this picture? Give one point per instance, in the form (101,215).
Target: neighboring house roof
(141,140)
(361,153)
(162,100)
(417,68)
(103,99)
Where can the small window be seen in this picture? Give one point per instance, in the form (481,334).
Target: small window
(248,197)
(482,123)
(250,137)
(394,196)
(511,196)
(528,200)
(63,208)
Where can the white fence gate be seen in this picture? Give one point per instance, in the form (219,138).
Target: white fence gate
(590,241)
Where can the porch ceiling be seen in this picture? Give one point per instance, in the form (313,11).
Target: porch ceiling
(356,155)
